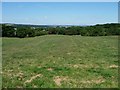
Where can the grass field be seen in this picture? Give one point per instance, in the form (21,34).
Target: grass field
(56,61)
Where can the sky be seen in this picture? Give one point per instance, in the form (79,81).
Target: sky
(60,13)
(60,0)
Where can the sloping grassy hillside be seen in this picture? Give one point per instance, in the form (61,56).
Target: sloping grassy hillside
(60,61)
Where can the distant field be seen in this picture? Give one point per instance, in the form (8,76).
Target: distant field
(61,61)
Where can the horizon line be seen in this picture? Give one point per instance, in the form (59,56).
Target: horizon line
(57,24)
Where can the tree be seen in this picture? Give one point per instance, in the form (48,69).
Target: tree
(8,31)
(40,31)
(30,32)
(21,32)
(52,30)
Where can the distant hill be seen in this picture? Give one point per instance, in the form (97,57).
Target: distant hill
(26,25)
(45,26)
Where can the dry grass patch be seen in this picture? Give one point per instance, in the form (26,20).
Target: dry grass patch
(49,57)
(10,70)
(69,53)
(50,69)
(83,66)
(58,80)
(113,66)
(19,87)
(20,76)
(35,86)
(95,81)
(77,66)
(32,78)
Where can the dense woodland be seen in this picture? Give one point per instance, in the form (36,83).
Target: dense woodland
(30,31)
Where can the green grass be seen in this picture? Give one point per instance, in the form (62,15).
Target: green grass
(61,61)
(0,63)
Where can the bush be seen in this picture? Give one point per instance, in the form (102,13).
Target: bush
(52,30)
(8,31)
(31,32)
(26,31)
(40,31)
(21,32)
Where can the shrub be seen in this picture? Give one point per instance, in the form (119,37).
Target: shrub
(21,32)
(30,32)
(40,31)
(8,31)
(27,31)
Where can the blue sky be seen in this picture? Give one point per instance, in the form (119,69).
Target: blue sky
(54,13)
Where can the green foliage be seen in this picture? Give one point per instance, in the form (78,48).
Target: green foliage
(61,30)
(0,30)
(8,31)
(40,31)
(21,32)
(96,30)
(72,31)
(30,32)
(25,32)
(52,30)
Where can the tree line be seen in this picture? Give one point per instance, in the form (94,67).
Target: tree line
(28,31)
